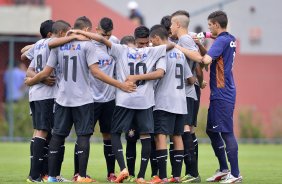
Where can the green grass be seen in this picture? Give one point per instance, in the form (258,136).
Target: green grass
(258,163)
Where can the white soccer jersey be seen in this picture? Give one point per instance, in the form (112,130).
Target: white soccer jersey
(131,61)
(170,93)
(38,55)
(186,41)
(74,59)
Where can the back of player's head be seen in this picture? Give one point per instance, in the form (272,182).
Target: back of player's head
(183,18)
(181,12)
(127,40)
(106,24)
(46,27)
(220,17)
(60,25)
(166,22)
(83,23)
(141,32)
(159,30)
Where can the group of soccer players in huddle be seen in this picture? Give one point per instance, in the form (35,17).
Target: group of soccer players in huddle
(147,86)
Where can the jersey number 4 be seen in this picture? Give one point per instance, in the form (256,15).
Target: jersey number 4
(136,71)
(74,67)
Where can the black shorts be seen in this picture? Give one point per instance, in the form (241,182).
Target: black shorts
(197,104)
(81,117)
(132,135)
(168,123)
(104,113)
(190,117)
(123,119)
(42,114)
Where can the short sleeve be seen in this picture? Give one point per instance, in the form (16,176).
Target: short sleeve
(161,63)
(188,43)
(116,50)
(90,54)
(32,64)
(216,49)
(53,58)
(30,53)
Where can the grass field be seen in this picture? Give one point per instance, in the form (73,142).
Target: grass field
(258,163)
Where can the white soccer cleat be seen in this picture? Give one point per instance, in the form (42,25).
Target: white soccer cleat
(219,175)
(231,179)
(62,179)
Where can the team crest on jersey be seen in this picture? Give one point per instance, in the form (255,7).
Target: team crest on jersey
(176,55)
(137,56)
(69,46)
(131,133)
(105,62)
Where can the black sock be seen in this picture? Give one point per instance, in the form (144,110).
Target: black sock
(153,158)
(38,153)
(145,155)
(171,155)
(45,158)
(161,156)
(131,156)
(109,156)
(75,159)
(61,155)
(178,160)
(187,140)
(31,154)
(54,156)
(196,151)
(117,150)
(83,149)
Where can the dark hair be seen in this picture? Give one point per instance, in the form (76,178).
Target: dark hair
(127,39)
(166,22)
(46,27)
(159,30)
(106,24)
(141,32)
(220,17)
(181,12)
(60,25)
(82,22)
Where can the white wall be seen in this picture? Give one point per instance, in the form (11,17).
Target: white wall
(22,20)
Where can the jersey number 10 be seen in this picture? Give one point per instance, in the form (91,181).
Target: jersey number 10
(136,71)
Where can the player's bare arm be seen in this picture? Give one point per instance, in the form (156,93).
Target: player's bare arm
(202,49)
(191,80)
(63,40)
(191,54)
(93,36)
(26,48)
(126,86)
(159,73)
(45,73)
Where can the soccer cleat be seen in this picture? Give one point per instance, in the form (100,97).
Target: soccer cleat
(45,178)
(30,180)
(174,180)
(52,179)
(112,177)
(193,179)
(140,181)
(84,180)
(62,179)
(219,175)
(186,177)
(122,176)
(74,178)
(158,180)
(232,179)
(130,179)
